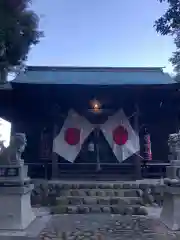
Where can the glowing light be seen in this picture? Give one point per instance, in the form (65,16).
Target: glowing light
(5,132)
(96,106)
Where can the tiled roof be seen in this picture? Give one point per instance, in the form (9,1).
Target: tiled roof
(93,76)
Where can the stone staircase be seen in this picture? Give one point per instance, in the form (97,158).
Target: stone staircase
(114,198)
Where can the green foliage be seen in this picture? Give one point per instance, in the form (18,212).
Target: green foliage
(177,78)
(169,24)
(18,32)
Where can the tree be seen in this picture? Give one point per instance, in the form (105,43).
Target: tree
(169,24)
(18,33)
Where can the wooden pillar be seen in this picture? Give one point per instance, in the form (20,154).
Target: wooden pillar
(55,169)
(45,149)
(137,159)
(98,164)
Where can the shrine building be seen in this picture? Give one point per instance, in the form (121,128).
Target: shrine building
(92,122)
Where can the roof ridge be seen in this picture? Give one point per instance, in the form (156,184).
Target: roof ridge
(74,68)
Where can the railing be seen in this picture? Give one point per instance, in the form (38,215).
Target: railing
(89,170)
(154,170)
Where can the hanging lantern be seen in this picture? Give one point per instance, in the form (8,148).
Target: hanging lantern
(95,106)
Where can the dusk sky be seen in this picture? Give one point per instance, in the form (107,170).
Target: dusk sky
(116,33)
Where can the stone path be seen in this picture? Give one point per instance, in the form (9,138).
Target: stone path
(106,227)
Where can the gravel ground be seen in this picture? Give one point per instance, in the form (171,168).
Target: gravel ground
(102,227)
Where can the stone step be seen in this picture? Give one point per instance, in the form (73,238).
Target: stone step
(69,200)
(101,192)
(86,209)
(103,185)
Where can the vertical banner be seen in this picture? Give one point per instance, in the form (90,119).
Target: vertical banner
(147,146)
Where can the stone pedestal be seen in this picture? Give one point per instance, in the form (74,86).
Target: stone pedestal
(15,207)
(15,197)
(170,214)
(16,174)
(173,171)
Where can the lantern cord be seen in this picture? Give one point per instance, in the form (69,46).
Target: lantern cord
(139,155)
(133,114)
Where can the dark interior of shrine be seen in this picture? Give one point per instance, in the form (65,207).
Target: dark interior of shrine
(37,108)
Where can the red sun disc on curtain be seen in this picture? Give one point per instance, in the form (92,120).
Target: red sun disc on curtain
(72,136)
(120,135)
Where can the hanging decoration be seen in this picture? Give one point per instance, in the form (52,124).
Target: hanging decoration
(147,146)
(69,141)
(120,135)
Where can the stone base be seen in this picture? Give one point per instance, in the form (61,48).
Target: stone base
(13,173)
(173,172)
(33,231)
(175,162)
(170,214)
(15,207)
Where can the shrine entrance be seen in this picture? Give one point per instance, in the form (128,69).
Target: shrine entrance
(147,97)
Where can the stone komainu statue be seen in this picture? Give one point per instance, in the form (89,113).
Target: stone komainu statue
(174,145)
(12,154)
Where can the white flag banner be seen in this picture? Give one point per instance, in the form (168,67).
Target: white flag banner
(69,141)
(120,135)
